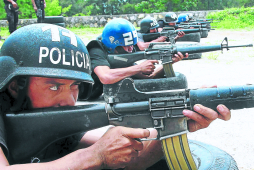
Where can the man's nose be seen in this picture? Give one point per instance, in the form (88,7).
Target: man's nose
(67,99)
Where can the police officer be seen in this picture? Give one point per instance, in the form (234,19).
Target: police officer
(170,20)
(11,8)
(39,6)
(120,36)
(150,25)
(46,72)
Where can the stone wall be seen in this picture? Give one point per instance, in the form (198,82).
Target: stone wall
(101,20)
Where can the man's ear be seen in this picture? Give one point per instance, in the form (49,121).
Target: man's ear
(13,89)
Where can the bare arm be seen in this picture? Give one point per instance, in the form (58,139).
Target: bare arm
(110,76)
(86,161)
(144,45)
(34,5)
(115,149)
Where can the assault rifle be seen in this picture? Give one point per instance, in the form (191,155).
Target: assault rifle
(198,22)
(29,132)
(40,9)
(39,15)
(188,26)
(210,20)
(164,52)
(171,34)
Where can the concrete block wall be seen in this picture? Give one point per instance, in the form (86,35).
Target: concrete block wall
(101,20)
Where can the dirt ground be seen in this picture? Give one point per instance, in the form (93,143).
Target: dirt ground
(233,67)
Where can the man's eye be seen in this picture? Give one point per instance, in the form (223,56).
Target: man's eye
(54,88)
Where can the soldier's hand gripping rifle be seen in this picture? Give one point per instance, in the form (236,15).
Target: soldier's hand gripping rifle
(164,52)
(31,131)
(171,34)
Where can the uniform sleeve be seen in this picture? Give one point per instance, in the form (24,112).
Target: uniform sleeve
(140,37)
(3,137)
(98,58)
(161,23)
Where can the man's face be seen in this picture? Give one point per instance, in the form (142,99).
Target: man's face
(128,49)
(153,30)
(52,92)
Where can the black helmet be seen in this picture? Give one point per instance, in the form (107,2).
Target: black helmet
(170,17)
(44,50)
(147,24)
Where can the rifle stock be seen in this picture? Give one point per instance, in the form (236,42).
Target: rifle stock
(31,131)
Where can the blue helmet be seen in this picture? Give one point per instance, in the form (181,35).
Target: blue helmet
(119,32)
(182,18)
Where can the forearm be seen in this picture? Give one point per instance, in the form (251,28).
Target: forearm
(111,76)
(143,45)
(11,1)
(80,159)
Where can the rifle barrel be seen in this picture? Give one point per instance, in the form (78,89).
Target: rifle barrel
(247,45)
(197,49)
(235,97)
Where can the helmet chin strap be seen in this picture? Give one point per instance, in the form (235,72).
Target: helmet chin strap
(22,101)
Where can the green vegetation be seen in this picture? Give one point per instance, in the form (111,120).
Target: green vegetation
(234,18)
(114,7)
(87,32)
(4,32)
(53,8)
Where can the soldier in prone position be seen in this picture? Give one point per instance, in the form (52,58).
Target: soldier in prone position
(46,72)
(150,25)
